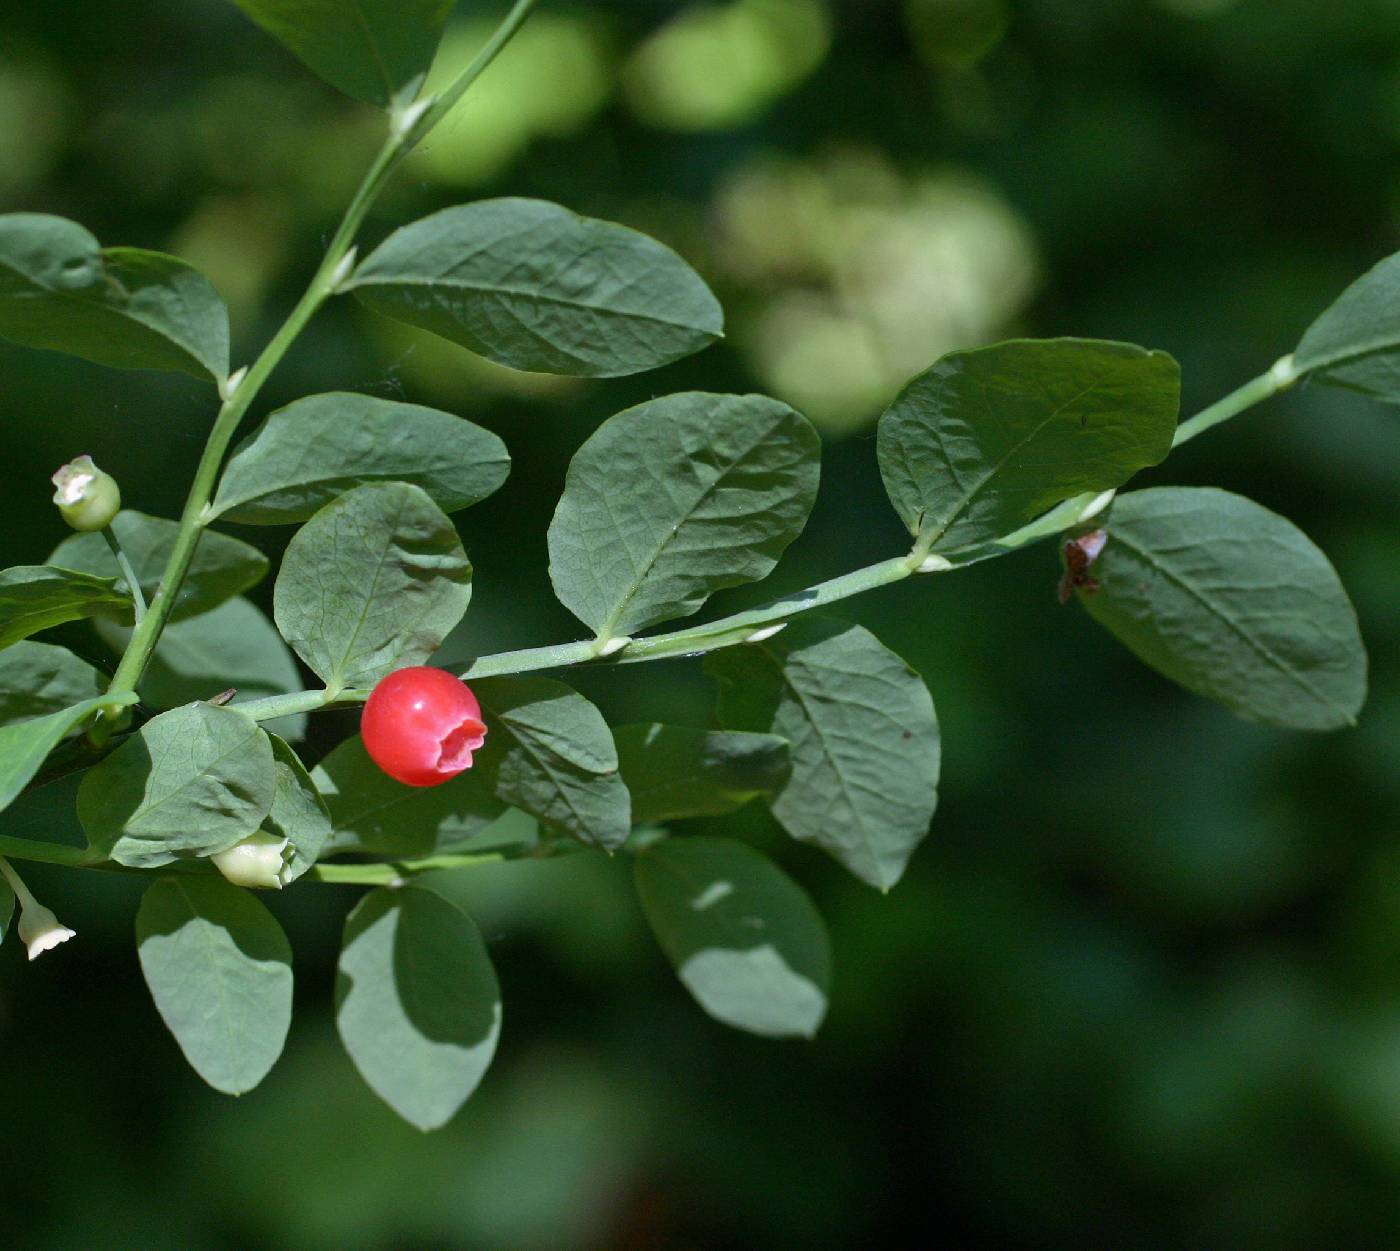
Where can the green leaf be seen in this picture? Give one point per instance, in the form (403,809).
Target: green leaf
(7,908)
(220,568)
(1234,603)
(1356,342)
(191,782)
(37,597)
(865,749)
(672,500)
(26,745)
(674,771)
(371,812)
(220,972)
(987,440)
(235,646)
(531,285)
(549,752)
(743,937)
(117,306)
(378,51)
(306,454)
(373,582)
(37,679)
(416,1002)
(298,812)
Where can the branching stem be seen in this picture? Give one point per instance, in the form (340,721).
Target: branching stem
(741,627)
(241,391)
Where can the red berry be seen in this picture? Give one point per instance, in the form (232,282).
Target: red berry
(421,726)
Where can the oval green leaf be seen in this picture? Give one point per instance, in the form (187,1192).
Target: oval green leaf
(378,51)
(119,306)
(191,782)
(549,752)
(220,971)
(987,440)
(743,937)
(234,646)
(26,745)
(306,454)
(416,1002)
(865,746)
(674,771)
(531,285)
(372,582)
(1233,602)
(1356,342)
(675,499)
(37,679)
(220,568)
(38,597)
(370,812)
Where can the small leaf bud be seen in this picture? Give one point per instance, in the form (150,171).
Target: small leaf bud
(87,497)
(258,861)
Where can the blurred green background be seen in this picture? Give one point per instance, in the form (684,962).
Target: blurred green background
(1141,987)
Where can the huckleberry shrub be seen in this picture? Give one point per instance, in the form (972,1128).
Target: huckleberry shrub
(982,453)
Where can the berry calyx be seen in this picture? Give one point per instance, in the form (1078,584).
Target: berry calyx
(421,726)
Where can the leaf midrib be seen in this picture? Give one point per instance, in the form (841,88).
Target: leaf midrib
(477,288)
(669,536)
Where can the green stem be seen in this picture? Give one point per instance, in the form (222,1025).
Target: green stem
(1279,378)
(16,884)
(240,392)
(420,117)
(129,574)
(395,872)
(725,632)
(740,627)
(378,874)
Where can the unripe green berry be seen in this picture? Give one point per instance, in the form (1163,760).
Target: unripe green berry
(87,497)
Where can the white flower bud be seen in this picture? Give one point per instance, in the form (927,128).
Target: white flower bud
(258,861)
(39,929)
(87,497)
